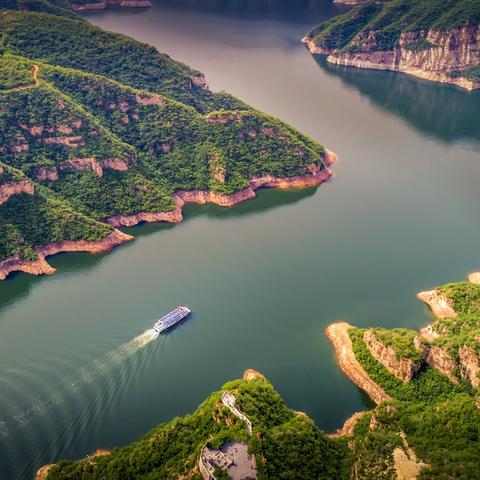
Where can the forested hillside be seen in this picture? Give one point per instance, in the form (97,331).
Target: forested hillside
(110,129)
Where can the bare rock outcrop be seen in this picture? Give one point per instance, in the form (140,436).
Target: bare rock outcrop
(404,369)
(469,365)
(474,277)
(440,306)
(317,176)
(115,164)
(87,164)
(337,333)
(150,99)
(47,174)
(251,374)
(348,426)
(440,359)
(447,51)
(41,267)
(15,188)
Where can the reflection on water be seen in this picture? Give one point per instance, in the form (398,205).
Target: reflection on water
(443,111)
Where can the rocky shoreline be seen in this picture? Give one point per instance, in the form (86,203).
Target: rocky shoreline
(454,50)
(337,333)
(181,197)
(41,267)
(105,3)
(202,197)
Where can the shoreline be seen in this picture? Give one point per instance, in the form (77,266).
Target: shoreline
(363,61)
(41,267)
(202,197)
(102,5)
(337,333)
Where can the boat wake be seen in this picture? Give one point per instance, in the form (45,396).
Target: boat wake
(87,375)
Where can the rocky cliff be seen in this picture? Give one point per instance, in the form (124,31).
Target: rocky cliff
(317,176)
(403,368)
(15,188)
(40,265)
(337,333)
(444,48)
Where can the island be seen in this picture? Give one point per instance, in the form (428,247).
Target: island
(436,40)
(424,422)
(99,131)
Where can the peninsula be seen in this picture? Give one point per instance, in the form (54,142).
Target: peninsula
(99,131)
(436,40)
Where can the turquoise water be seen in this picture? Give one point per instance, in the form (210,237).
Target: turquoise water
(263,279)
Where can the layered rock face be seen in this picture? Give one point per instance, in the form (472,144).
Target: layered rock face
(469,365)
(337,333)
(432,54)
(440,359)
(15,188)
(404,369)
(317,176)
(41,267)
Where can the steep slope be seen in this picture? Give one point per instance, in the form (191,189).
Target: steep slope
(283,443)
(437,40)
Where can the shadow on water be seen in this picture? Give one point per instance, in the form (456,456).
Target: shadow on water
(444,112)
(18,285)
(267,199)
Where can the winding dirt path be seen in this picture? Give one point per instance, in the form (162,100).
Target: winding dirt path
(337,333)
(35,75)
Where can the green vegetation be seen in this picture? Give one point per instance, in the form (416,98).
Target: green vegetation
(428,386)
(378,25)
(472,74)
(285,444)
(15,74)
(113,127)
(401,340)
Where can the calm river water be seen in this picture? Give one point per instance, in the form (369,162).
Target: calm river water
(263,279)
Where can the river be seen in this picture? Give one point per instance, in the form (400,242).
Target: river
(263,279)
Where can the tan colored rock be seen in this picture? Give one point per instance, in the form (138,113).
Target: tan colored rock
(337,333)
(20,148)
(404,369)
(47,173)
(348,426)
(469,365)
(41,267)
(115,164)
(440,359)
(150,99)
(72,141)
(15,188)
(82,165)
(251,374)
(474,277)
(455,49)
(440,306)
(42,473)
